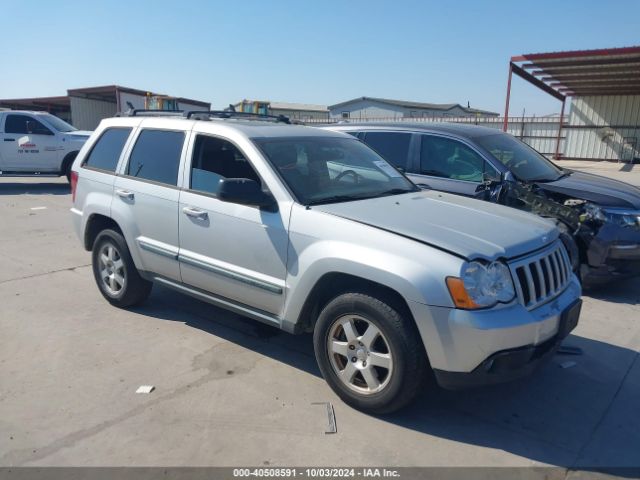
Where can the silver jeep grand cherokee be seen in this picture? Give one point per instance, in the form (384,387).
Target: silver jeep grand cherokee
(310,230)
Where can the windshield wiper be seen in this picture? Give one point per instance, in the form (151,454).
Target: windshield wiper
(395,191)
(334,199)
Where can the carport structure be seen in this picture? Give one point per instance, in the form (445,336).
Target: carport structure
(613,73)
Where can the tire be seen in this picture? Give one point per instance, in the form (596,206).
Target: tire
(115,273)
(66,166)
(396,344)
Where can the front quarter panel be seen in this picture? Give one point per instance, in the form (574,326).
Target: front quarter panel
(321,243)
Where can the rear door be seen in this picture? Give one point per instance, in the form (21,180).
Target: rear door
(235,251)
(450,165)
(28,145)
(146,196)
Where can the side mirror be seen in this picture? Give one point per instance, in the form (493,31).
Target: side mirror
(509,177)
(29,127)
(245,192)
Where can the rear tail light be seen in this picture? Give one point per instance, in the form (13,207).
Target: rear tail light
(74,184)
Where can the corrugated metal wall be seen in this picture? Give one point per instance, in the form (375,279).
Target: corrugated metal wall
(604,127)
(86,113)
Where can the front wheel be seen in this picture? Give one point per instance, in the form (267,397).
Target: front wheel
(115,273)
(369,353)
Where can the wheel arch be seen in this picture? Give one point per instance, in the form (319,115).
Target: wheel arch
(332,284)
(95,224)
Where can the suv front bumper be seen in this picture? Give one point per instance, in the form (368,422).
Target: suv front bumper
(471,348)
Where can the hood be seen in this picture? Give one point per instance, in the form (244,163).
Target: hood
(462,226)
(596,189)
(80,134)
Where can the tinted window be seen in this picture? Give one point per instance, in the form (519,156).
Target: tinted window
(215,159)
(329,169)
(521,159)
(106,152)
(156,156)
(392,146)
(18,124)
(444,157)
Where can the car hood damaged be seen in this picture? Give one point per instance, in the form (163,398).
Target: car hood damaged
(603,191)
(459,225)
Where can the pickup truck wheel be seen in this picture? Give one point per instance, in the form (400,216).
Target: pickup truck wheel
(370,354)
(115,273)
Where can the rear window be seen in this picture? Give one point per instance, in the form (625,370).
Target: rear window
(392,146)
(106,152)
(156,156)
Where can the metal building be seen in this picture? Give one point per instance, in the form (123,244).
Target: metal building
(365,108)
(297,111)
(603,87)
(85,107)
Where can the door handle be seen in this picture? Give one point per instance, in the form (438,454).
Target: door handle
(9,139)
(125,194)
(195,213)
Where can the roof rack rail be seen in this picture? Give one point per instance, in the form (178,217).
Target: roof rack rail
(143,112)
(231,114)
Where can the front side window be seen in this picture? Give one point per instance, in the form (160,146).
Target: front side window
(523,161)
(331,169)
(24,124)
(448,158)
(156,156)
(215,159)
(106,152)
(393,146)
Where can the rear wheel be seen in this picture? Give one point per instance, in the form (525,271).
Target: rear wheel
(115,273)
(369,353)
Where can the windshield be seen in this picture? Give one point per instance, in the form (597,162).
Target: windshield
(58,124)
(523,161)
(331,169)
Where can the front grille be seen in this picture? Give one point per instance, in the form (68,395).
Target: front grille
(541,277)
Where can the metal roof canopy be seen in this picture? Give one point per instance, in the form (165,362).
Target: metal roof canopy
(50,104)
(608,71)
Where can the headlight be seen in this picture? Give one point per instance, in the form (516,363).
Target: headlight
(481,286)
(616,216)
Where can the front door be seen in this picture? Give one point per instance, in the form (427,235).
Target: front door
(234,251)
(29,146)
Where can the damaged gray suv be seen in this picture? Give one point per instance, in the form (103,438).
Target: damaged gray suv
(311,231)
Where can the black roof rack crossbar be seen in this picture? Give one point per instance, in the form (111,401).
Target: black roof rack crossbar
(142,112)
(229,114)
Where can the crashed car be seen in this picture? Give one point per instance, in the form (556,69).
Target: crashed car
(599,217)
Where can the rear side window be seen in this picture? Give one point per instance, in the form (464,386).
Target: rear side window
(106,152)
(392,146)
(156,156)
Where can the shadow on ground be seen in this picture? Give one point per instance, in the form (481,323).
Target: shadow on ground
(25,188)
(551,417)
(621,291)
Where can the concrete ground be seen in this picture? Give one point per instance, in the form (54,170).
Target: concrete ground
(229,391)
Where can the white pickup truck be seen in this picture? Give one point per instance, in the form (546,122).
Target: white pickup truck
(37,144)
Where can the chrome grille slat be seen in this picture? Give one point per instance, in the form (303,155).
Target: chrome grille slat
(542,276)
(542,280)
(552,280)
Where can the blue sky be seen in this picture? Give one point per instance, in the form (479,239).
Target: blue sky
(301,51)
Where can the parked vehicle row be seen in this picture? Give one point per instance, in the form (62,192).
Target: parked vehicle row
(599,218)
(310,230)
(37,144)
